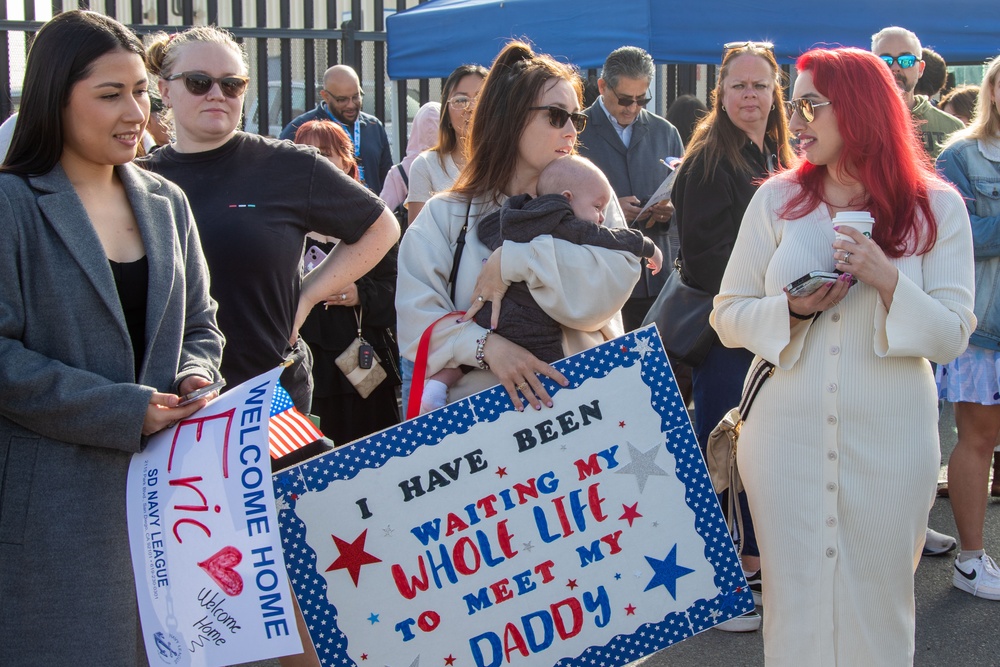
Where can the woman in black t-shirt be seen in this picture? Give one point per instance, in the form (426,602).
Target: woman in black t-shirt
(254,200)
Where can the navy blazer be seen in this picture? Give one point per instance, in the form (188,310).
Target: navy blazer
(72,407)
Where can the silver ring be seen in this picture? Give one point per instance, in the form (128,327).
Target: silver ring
(343,297)
(480,298)
(847,257)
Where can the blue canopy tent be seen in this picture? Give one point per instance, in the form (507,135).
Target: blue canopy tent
(431,39)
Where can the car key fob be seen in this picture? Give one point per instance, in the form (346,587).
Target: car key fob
(366,354)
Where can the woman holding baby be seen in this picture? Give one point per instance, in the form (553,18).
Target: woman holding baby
(527,115)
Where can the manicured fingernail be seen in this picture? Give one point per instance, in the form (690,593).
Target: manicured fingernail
(549,404)
(836,228)
(537,407)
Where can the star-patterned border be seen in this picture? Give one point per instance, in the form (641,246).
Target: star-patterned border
(641,346)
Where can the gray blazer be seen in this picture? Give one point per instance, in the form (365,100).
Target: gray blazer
(636,171)
(71,408)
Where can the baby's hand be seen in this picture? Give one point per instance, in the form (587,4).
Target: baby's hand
(656,261)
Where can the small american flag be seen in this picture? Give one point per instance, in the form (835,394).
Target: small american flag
(289,428)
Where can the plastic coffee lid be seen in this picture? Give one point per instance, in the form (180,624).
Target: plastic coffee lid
(853,216)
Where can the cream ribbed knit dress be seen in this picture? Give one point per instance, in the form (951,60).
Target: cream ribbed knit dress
(840,454)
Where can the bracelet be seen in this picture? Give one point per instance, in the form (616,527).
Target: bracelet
(481,351)
(800,317)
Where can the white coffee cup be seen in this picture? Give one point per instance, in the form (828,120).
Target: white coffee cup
(859,220)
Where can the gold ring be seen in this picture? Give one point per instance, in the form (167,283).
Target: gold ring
(521,387)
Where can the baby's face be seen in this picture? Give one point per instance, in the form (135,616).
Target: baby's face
(589,200)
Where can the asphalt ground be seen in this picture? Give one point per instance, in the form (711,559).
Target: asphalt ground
(953,627)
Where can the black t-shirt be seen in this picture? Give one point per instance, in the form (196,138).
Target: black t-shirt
(254,199)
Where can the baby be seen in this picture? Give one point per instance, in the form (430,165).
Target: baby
(572,196)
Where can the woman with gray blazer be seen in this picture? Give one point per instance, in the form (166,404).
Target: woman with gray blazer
(105,316)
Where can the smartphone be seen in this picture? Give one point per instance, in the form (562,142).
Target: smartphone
(202,392)
(811,282)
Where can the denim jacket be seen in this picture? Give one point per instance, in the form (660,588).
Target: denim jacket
(973,166)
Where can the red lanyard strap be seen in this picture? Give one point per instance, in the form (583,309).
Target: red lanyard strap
(420,366)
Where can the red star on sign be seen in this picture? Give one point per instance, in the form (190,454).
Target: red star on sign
(630,610)
(364,656)
(624,349)
(631,513)
(572,584)
(501,472)
(450,660)
(621,424)
(352,556)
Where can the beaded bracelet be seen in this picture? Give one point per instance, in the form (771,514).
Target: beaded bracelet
(481,352)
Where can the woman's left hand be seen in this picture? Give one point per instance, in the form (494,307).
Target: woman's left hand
(518,371)
(349,297)
(865,260)
(489,287)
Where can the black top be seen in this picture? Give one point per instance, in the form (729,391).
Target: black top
(708,213)
(254,200)
(132,283)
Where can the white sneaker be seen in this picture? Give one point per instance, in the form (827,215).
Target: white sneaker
(748,622)
(979,576)
(937,544)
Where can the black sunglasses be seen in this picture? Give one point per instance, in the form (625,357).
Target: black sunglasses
(199,84)
(629,101)
(558,117)
(805,107)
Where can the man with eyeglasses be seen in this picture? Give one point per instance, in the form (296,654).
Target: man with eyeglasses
(341,102)
(902,53)
(629,144)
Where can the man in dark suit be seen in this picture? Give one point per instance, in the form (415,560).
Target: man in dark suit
(629,145)
(341,102)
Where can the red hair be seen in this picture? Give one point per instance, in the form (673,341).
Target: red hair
(331,139)
(881,150)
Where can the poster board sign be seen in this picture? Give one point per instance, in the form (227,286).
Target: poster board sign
(206,553)
(479,536)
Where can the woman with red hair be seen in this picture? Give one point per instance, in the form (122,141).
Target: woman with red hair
(332,142)
(841,455)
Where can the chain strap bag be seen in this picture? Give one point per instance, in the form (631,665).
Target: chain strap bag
(359,363)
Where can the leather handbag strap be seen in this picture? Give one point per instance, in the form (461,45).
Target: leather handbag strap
(459,247)
(763,370)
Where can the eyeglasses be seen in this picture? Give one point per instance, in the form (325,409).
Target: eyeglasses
(462,103)
(805,107)
(343,99)
(905,61)
(764,46)
(199,84)
(629,101)
(558,117)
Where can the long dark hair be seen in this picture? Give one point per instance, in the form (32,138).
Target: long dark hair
(717,138)
(447,137)
(62,54)
(516,79)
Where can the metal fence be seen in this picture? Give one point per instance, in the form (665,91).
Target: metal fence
(289,44)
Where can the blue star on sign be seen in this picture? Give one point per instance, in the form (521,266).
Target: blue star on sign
(373,619)
(666,572)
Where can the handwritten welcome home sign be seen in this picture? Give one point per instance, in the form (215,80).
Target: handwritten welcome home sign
(479,536)
(210,578)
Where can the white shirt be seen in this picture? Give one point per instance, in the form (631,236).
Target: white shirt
(625,133)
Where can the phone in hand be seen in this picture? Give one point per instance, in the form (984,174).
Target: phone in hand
(811,282)
(201,392)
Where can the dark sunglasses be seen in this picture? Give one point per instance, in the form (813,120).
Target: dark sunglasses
(558,117)
(629,101)
(806,108)
(199,84)
(905,61)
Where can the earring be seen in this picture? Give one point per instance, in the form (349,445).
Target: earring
(773,106)
(723,107)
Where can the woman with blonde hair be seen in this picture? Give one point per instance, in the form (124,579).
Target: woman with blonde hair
(971,161)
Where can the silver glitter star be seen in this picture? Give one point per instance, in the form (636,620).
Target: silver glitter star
(642,465)
(388,531)
(642,347)
(527,546)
